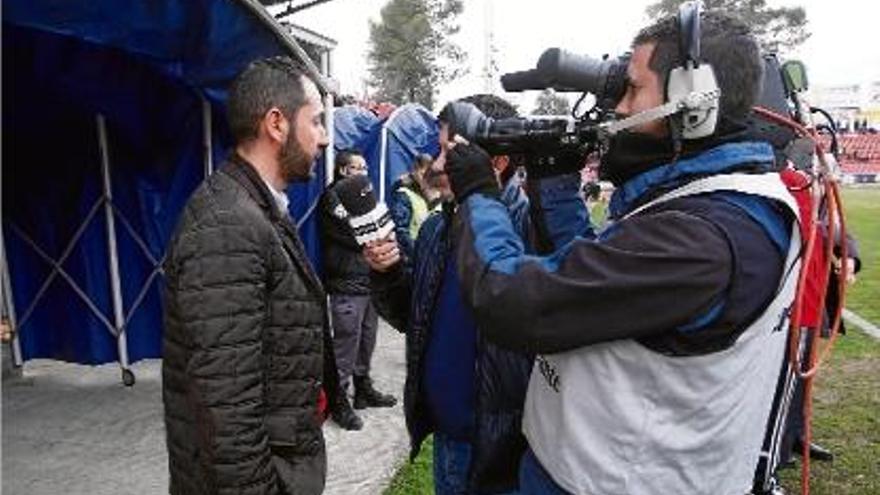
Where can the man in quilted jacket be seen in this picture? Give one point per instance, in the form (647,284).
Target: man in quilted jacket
(246,347)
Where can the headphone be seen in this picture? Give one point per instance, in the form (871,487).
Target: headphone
(694,82)
(692,92)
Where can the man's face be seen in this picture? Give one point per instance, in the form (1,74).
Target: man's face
(306,137)
(436,175)
(644,91)
(356,166)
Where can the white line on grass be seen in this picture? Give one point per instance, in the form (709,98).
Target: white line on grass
(870,328)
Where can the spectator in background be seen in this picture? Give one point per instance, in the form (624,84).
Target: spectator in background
(353,317)
(6,332)
(412,200)
(814,314)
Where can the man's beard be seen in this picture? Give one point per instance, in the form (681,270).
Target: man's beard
(631,153)
(295,163)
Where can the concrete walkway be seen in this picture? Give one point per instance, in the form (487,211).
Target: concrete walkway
(72,429)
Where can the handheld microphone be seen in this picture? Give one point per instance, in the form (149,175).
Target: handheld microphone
(369,219)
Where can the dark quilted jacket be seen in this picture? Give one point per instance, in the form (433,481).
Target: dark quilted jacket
(245,348)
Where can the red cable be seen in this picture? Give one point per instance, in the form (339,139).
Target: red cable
(831,192)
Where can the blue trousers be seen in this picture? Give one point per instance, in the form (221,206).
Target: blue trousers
(452,462)
(534,480)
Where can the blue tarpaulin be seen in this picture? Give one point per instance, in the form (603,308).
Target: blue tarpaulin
(146,67)
(359,129)
(151,69)
(410,130)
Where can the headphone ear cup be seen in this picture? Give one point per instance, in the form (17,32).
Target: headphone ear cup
(697,122)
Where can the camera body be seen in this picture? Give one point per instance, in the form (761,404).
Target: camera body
(543,138)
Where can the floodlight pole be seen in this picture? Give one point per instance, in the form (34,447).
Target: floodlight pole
(115,285)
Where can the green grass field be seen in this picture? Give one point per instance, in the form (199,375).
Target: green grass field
(417,477)
(847,397)
(847,401)
(863,220)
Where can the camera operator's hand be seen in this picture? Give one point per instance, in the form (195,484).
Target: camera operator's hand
(470,170)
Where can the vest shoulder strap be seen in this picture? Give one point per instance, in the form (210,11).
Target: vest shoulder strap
(768,185)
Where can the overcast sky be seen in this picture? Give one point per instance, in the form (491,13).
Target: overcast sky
(844,47)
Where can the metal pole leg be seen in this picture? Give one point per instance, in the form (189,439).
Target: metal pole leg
(207,140)
(116,288)
(9,303)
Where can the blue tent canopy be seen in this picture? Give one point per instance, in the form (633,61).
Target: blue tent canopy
(357,128)
(129,94)
(408,132)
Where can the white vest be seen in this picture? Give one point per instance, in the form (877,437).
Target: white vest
(620,419)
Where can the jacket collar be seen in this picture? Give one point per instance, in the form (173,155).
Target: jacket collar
(244,173)
(726,158)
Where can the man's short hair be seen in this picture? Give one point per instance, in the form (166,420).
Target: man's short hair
(726,43)
(492,106)
(497,108)
(343,158)
(423,161)
(270,82)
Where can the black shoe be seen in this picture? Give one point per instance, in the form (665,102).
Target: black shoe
(344,416)
(367,396)
(817,451)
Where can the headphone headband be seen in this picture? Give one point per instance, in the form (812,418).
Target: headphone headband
(689,33)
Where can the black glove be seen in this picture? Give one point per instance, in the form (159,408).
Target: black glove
(470,170)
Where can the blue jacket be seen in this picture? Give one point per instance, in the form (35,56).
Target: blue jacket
(683,278)
(407,299)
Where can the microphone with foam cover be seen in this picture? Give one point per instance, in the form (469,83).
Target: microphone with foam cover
(369,219)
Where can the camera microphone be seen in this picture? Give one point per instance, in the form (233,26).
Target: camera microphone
(369,219)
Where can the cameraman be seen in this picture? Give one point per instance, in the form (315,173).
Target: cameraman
(659,341)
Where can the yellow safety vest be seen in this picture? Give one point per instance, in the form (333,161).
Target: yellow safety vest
(420,211)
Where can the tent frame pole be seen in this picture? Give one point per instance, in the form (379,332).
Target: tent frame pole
(329,151)
(383,162)
(115,284)
(207,137)
(9,303)
(383,150)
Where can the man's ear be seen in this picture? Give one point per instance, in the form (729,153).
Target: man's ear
(275,125)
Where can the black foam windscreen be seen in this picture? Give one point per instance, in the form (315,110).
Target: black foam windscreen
(369,219)
(356,194)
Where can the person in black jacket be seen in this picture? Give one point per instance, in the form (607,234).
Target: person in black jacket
(246,351)
(353,317)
